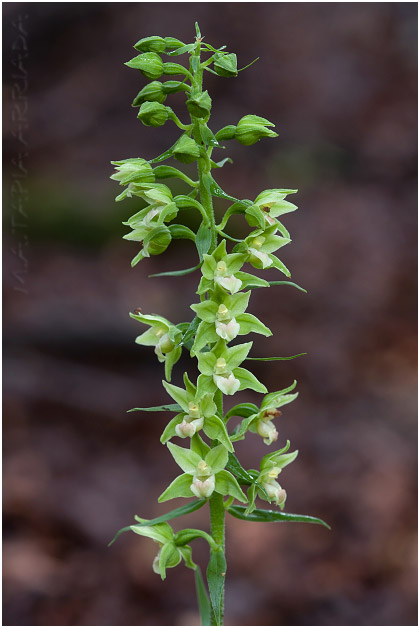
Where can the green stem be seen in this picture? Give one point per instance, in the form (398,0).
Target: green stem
(217,510)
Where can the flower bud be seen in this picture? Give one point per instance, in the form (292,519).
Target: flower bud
(153,92)
(186,150)
(203,488)
(227,331)
(199,106)
(149,64)
(226,133)
(153,114)
(164,345)
(151,44)
(252,128)
(228,385)
(225,65)
(171,87)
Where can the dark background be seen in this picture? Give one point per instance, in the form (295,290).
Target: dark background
(339,82)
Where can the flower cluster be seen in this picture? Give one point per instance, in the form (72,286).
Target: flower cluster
(210,469)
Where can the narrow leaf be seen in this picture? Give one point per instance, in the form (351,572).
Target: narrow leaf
(177,512)
(291,357)
(172,407)
(216,573)
(202,598)
(177,273)
(272,515)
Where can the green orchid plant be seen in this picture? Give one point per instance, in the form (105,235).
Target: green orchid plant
(211,472)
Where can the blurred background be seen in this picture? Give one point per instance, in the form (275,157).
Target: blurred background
(339,82)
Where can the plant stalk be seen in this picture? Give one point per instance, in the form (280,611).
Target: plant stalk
(217,509)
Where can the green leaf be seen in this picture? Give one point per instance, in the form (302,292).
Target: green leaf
(272,515)
(181,232)
(177,512)
(190,534)
(191,330)
(216,573)
(181,50)
(206,333)
(171,407)
(240,431)
(202,598)
(235,467)
(177,273)
(291,357)
(126,529)
(203,240)
(226,484)
(180,487)
(286,283)
(221,163)
(168,172)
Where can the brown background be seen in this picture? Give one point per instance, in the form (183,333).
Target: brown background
(339,82)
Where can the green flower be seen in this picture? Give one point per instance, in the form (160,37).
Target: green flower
(270,468)
(170,554)
(221,370)
(262,422)
(198,412)
(225,319)
(163,336)
(220,270)
(260,244)
(134,170)
(267,207)
(202,475)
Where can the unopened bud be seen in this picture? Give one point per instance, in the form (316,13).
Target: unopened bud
(151,44)
(199,106)
(225,65)
(186,150)
(149,64)
(153,114)
(252,128)
(153,92)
